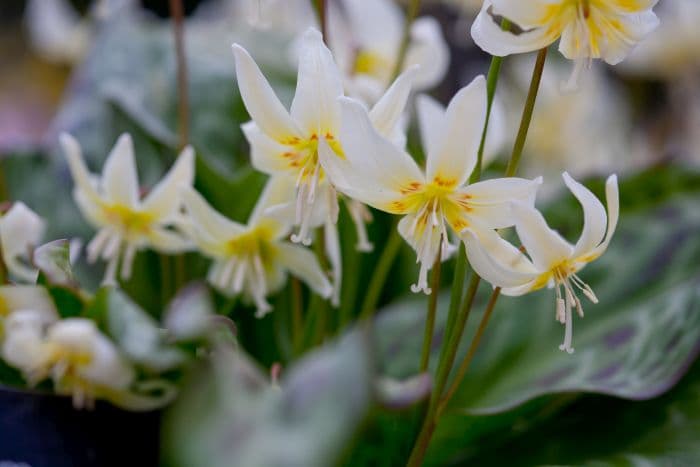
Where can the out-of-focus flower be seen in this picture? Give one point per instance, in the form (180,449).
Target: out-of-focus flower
(286,15)
(365,38)
(586,133)
(382,175)
(588,29)
(674,48)
(14,298)
(253,259)
(21,229)
(112,204)
(79,359)
(552,261)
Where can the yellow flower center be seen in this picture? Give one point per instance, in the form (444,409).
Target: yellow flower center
(129,220)
(255,242)
(370,63)
(302,155)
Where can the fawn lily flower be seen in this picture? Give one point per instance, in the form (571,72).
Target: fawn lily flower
(21,229)
(378,173)
(252,259)
(365,38)
(14,298)
(112,204)
(79,359)
(588,29)
(287,142)
(552,261)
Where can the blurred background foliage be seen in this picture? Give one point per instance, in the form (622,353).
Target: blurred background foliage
(628,396)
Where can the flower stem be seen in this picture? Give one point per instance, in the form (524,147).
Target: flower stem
(381,272)
(443,372)
(183,111)
(472,350)
(297,327)
(527,114)
(432,310)
(411,14)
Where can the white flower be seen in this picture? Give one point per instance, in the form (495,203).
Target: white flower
(382,175)
(79,359)
(291,15)
(588,29)
(674,48)
(21,229)
(552,261)
(14,298)
(112,204)
(252,259)
(365,38)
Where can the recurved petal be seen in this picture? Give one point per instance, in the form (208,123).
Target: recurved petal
(119,178)
(488,35)
(612,196)
(79,172)
(20,229)
(168,241)
(490,201)
(386,113)
(545,246)
(279,190)
(455,154)
(630,6)
(303,264)
(628,32)
(164,198)
(496,272)
(319,84)
(594,217)
(266,154)
(260,100)
(205,218)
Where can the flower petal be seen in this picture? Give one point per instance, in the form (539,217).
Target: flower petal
(304,265)
(431,122)
(260,100)
(376,25)
(386,113)
(278,190)
(164,199)
(81,175)
(319,84)
(498,273)
(266,154)
(612,196)
(545,246)
(20,229)
(624,34)
(489,201)
(119,178)
(428,50)
(527,15)
(594,217)
(169,241)
(488,35)
(207,219)
(455,154)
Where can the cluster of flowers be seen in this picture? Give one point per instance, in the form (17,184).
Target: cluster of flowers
(334,143)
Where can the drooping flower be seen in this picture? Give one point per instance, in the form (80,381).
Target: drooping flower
(365,38)
(382,175)
(253,259)
(21,229)
(551,261)
(588,29)
(79,359)
(112,204)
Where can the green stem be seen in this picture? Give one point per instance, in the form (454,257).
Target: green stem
(432,310)
(381,271)
(297,327)
(423,440)
(464,366)
(183,110)
(527,114)
(411,14)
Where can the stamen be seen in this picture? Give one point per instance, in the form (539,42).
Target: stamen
(568,329)
(360,215)
(128,261)
(422,284)
(239,276)
(96,245)
(111,271)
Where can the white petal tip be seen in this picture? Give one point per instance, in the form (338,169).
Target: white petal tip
(313,33)
(568,350)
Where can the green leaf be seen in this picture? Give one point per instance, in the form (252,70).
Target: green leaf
(231,415)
